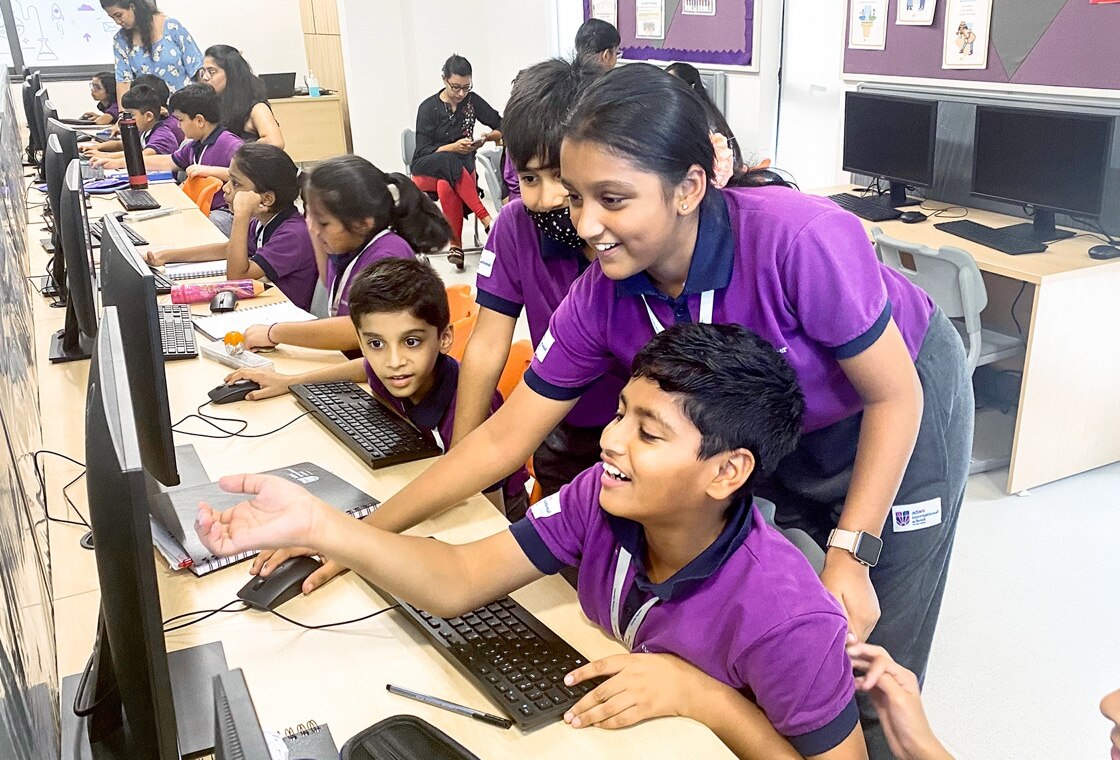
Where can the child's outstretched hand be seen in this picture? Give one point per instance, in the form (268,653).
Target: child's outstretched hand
(639,686)
(277,513)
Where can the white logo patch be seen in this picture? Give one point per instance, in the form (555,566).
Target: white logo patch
(924,514)
(546,507)
(546,345)
(486,263)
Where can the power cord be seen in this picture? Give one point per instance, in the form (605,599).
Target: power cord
(942,212)
(206,614)
(39,475)
(213,420)
(1015,319)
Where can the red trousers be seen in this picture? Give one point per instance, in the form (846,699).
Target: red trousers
(452,198)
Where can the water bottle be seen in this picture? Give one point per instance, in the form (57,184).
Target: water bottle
(312,84)
(133,153)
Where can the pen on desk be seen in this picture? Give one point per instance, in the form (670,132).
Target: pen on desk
(470,712)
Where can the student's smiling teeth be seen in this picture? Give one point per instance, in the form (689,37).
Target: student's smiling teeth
(614,472)
(604,247)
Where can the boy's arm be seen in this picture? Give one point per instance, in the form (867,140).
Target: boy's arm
(483,361)
(197,170)
(336,333)
(443,579)
(275,384)
(160,163)
(208,252)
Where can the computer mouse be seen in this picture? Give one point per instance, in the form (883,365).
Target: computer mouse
(1104,252)
(223,301)
(283,583)
(237,391)
(912,217)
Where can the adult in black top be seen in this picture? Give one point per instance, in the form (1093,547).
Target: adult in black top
(245,108)
(443,162)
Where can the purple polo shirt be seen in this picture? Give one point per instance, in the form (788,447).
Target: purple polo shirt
(749,610)
(164,138)
(113,110)
(509,176)
(793,268)
(436,413)
(522,268)
(385,245)
(283,250)
(216,150)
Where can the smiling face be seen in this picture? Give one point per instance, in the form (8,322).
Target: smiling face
(402,349)
(1110,708)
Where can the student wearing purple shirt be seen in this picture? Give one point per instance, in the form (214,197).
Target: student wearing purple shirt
(532,257)
(103,89)
(725,621)
(356,214)
(159,135)
(269,237)
(889,410)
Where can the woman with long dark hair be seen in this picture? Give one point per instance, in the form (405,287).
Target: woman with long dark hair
(245,109)
(150,42)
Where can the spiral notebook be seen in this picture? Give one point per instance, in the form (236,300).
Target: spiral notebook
(195,270)
(173,532)
(215,326)
(310,741)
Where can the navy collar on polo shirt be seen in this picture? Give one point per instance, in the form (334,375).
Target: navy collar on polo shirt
(210,139)
(632,537)
(712,258)
(427,414)
(275,222)
(552,249)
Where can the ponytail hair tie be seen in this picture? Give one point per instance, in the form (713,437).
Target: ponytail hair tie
(724,166)
(395,192)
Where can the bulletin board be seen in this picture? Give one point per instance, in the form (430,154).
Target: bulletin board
(1054,43)
(727,37)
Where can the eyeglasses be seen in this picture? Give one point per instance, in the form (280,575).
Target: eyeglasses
(460,89)
(95,86)
(208,72)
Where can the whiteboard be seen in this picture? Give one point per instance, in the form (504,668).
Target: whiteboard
(63,32)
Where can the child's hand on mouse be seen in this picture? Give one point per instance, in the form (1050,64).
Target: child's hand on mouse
(268,560)
(271,383)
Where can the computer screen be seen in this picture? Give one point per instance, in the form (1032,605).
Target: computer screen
(34,147)
(892,138)
(1054,161)
(127,283)
(75,340)
(38,123)
(237,731)
(130,667)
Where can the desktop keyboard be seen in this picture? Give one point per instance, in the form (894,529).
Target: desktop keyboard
(92,173)
(177,331)
(163,285)
(517,661)
(991,237)
(96,228)
(137,200)
(871,209)
(377,435)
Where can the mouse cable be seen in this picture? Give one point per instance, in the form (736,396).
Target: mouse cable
(213,420)
(39,475)
(334,625)
(1015,319)
(204,613)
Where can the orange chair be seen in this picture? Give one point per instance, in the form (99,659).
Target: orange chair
(463,329)
(537,493)
(461,302)
(202,190)
(520,357)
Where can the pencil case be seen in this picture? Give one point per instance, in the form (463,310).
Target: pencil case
(404,737)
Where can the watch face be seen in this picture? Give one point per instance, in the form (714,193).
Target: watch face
(868,548)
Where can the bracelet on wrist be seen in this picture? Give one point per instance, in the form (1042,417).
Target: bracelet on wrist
(268,335)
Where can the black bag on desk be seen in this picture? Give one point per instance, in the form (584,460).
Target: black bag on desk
(404,737)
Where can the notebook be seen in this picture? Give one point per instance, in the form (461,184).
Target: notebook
(173,532)
(194,270)
(215,326)
(310,741)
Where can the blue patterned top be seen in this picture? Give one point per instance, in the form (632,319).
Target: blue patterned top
(175,57)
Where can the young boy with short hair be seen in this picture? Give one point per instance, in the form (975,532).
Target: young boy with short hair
(399,308)
(674,558)
(159,134)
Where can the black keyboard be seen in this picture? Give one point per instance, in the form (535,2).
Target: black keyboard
(515,659)
(871,209)
(177,331)
(377,435)
(96,228)
(991,237)
(137,200)
(163,285)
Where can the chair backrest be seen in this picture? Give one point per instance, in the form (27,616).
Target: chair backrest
(488,166)
(202,190)
(949,275)
(408,148)
(799,538)
(520,357)
(461,302)
(463,329)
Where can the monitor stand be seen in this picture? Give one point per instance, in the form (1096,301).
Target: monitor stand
(1041,230)
(61,352)
(897,196)
(192,673)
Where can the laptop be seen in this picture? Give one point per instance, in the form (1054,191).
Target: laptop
(279,85)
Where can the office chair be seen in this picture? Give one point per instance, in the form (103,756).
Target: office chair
(799,538)
(951,278)
(463,329)
(520,357)
(202,190)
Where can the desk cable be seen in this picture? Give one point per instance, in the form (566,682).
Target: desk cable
(205,614)
(40,477)
(213,420)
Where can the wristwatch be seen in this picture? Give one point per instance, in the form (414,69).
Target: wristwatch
(865,547)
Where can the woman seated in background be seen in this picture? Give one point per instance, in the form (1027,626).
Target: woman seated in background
(443,161)
(103,89)
(245,109)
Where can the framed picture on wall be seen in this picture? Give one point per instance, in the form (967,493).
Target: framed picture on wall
(968,29)
(915,12)
(867,28)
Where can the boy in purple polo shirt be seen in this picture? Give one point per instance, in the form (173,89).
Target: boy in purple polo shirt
(725,620)
(532,257)
(159,134)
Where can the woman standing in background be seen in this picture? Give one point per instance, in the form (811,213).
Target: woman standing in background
(150,42)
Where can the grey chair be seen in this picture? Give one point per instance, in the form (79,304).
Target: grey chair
(799,538)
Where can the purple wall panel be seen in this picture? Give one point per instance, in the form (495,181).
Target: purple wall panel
(726,38)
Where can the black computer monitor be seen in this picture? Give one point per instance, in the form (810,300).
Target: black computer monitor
(39,118)
(138,701)
(237,731)
(127,282)
(892,138)
(34,147)
(1055,161)
(75,340)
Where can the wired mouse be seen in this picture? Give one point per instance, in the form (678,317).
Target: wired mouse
(223,301)
(237,391)
(912,217)
(285,582)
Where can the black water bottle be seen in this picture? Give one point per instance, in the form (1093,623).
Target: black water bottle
(133,154)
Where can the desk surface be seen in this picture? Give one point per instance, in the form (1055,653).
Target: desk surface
(336,677)
(1063,258)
